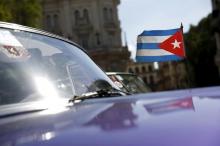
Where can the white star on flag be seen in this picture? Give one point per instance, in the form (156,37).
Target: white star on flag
(176,44)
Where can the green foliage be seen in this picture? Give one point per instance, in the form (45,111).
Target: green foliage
(5,11)
(201,50)
(25,12)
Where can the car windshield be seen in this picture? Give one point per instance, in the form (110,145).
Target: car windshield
(34,67)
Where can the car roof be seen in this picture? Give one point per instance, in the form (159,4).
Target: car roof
(36,31)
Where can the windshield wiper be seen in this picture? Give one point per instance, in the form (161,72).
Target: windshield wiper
(99,94)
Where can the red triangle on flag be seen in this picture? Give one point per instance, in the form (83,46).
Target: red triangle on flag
(174,44)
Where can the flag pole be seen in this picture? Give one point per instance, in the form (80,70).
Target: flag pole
(181,27)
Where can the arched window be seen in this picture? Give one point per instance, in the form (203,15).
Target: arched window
(86,15)
(105,14)
(151,79)
(56,20)
(76,15)
(136,70)
(48,21)
(143,69)
(145,80)
(130,70)
(98,41)
(150,69)
(110,14)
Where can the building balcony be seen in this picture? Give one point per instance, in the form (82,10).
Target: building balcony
(82,26)
(111,26)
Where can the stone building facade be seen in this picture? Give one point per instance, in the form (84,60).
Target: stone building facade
(174,75)
(146,71)
(168,75)
(93,24)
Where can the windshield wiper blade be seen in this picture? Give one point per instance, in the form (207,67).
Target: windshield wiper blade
(99,94)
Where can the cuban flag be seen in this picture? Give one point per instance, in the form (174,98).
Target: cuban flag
(160,45)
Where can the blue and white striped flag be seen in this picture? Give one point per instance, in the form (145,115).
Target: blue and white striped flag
(160,45)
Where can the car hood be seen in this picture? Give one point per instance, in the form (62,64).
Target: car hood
(185,117)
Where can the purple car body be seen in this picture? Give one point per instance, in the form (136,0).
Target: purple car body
(175,118)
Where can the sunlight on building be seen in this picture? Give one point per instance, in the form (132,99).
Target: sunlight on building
(156,65)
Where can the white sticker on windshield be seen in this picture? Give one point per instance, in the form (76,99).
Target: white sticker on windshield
(14,52)
(11,47)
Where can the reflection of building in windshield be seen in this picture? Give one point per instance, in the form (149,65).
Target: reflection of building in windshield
(119,116)
(170,106)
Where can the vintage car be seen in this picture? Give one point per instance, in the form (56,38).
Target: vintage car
(129,82)
(53,94)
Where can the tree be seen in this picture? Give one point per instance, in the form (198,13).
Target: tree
(201,50)
(25,12)
(5,10)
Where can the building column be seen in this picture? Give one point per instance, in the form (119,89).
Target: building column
(66,18)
